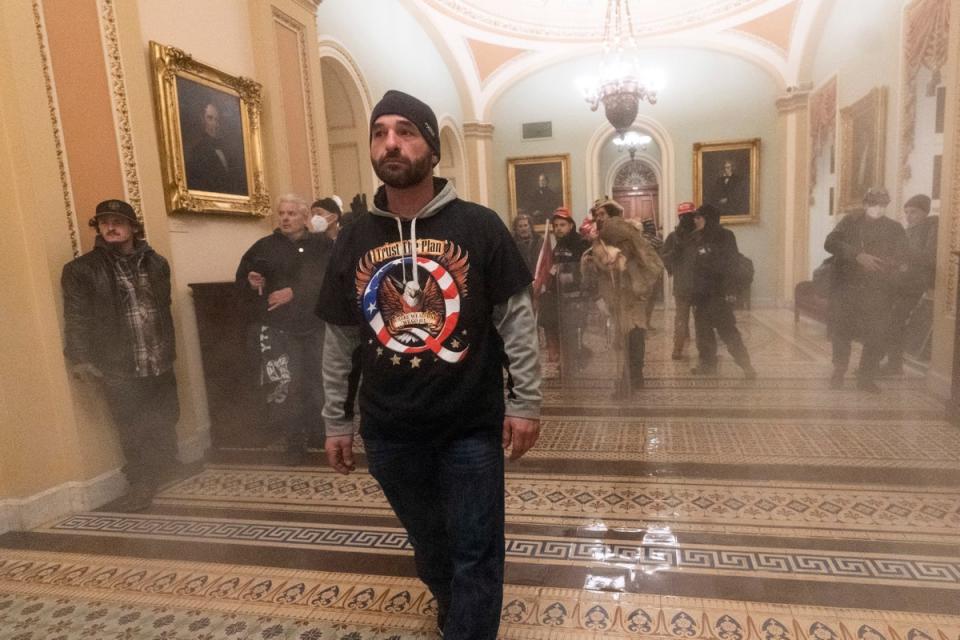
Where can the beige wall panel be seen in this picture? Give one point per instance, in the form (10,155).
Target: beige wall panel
(290,71)
(200,248)
(79,72)
(38,429)
(346,160)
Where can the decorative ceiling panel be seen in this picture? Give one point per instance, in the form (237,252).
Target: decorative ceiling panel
(583,19)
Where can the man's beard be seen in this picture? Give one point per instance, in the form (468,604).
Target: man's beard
(407,173)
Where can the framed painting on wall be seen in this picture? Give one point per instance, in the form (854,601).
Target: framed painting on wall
(862,145)
(210,139)
(538,185)
(726,175)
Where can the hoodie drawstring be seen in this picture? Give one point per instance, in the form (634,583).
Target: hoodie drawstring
(413,249)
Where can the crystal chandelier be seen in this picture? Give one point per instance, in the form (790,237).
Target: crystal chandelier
(632,142)
(619,86)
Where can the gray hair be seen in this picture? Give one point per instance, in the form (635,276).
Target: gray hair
(300,203)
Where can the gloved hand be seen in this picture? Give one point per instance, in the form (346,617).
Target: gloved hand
(358,205)
(86,372)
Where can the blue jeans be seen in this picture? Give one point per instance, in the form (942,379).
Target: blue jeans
(449,497)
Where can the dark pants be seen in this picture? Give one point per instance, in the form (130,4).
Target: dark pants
(294,404)
(864,315)
(450,498)
(714,314)
(903,306)
(681,322)
(300,415)
(145,411)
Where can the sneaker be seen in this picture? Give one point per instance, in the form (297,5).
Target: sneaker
(704,370)
(868,385)
(749,373)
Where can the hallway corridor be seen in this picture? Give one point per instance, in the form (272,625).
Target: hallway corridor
(717,508)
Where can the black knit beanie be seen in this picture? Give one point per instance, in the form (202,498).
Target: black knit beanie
(919,201)
(419,113)
(328,204)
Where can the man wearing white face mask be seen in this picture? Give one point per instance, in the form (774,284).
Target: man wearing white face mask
(869,249)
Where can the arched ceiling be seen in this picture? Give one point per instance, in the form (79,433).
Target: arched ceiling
(493,44)
(583,19)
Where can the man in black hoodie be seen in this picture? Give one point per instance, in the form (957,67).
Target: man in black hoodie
(713,288)
(118,331)
(436,293)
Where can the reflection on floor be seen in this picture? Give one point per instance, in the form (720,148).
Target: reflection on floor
(703,508)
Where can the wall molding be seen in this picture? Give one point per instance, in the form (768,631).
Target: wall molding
(56,127)
(299,29)
(121,109)
(21,514)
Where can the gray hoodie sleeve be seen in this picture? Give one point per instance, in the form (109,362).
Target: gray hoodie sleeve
(338,345)
(517,325)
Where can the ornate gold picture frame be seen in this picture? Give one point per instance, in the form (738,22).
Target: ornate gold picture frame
(862,146)
(727,175)
(538,185)
(210,136)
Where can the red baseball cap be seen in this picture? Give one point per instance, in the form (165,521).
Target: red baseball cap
(685,207)
(563,212)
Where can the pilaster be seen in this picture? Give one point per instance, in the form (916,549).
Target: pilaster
(478,139)
(794,233)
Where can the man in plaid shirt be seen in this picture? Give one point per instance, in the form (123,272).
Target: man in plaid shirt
(118,332)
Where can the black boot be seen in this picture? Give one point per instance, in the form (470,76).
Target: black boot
(636,354)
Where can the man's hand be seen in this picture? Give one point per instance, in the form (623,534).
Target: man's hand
(279,298)
(340,453)
(86,372)
(358,206)
(869,262)
(519,434)
(256,281)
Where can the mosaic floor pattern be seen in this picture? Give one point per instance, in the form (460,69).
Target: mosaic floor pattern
(887,512)
(42,595)
(704,508)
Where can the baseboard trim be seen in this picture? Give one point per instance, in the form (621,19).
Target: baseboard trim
(20,514)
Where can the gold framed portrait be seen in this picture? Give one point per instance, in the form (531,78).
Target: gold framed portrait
(862,146)
(538,185)
(210,137)
(727,175)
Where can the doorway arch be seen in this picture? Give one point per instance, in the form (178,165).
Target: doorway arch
(452,164)
(595,183)
(348,105)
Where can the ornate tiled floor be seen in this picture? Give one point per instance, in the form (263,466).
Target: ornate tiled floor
(775,509)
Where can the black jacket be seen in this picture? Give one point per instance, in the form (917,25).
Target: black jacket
(95,330)
(298,264)
(679,254)
(714,260)
(922,253)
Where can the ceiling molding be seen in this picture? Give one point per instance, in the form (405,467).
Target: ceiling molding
(775,27)
(488,58)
